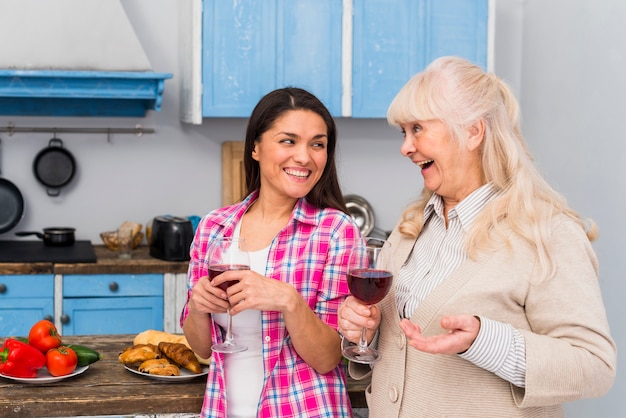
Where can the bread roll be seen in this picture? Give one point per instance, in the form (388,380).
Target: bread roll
(152,336)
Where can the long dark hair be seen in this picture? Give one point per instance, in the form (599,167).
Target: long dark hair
(326,193)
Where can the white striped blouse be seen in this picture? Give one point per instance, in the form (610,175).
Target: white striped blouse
(498,348)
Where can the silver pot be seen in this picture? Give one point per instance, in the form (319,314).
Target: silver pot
(362,213)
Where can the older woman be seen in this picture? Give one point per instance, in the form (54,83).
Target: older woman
(496,309)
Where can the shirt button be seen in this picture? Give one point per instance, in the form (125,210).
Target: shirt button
(401,340)
(393,394)
(268,338)
(268,374)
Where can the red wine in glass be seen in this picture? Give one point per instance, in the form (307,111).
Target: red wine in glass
(216,270)
(369,280)
(223,255)
(369,285)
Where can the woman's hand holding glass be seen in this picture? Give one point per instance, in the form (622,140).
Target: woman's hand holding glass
(354,315)
(369,279)
(225,256)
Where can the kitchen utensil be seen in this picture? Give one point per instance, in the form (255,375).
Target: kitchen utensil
(54,236)
(11,204)
(170,238)
(362,213)
(54,167)
(109,238)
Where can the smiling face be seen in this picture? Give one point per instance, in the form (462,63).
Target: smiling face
(450,168)
(292,154)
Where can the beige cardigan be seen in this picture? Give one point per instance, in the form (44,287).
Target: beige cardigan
(569,351)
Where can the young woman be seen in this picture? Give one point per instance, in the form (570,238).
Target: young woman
(285,308)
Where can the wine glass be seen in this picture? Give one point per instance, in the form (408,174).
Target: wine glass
(226,254)
(369,279)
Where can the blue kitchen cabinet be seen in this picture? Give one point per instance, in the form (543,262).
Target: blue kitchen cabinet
(395,39)
(24,300)
(355,66)
(112,304)
(252,47)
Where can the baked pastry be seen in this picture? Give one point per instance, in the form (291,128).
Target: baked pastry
(139,353)
(152,336)
(181,355)
(161,367)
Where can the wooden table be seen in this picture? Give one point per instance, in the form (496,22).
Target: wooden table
(106,388)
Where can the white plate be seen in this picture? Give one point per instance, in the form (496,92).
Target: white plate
(184,374)
(43,376)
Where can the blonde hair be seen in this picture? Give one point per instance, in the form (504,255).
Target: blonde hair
(459,93)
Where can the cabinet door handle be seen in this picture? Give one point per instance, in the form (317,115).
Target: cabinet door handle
(49,318)
(3,288)
(114,287)
(65,319)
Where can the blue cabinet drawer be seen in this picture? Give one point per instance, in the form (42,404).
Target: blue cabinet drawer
(112,303)
(26,286)
(126,315)
(112,285)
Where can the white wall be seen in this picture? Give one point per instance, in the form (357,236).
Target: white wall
(561,57)
(573,107)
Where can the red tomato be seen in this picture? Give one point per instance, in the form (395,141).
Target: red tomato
(61,361)
(44,336)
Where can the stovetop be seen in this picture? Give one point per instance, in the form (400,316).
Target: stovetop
(36,252)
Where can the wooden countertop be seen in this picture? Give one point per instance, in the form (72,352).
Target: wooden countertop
(107,388)
(107,263)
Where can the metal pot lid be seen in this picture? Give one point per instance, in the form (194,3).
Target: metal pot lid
(362,213)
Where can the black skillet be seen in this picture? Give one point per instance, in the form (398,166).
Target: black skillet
(54,167)
(54,237)
(11,205)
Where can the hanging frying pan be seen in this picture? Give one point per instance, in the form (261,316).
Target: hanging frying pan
(54,167)
(11,205)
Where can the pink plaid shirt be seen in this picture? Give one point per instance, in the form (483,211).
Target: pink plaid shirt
(310,253)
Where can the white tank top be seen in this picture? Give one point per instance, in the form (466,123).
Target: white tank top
(244,371)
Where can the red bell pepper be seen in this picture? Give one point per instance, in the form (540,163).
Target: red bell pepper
(18,359)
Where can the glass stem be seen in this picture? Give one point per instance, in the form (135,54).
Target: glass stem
(363,341)
(229,329)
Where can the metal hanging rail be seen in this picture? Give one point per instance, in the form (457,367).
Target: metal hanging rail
(138,130)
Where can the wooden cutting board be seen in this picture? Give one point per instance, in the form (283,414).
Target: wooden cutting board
(233,174)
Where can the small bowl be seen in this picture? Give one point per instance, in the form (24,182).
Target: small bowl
(109,238)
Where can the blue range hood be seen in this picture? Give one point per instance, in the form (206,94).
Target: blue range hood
(80,93)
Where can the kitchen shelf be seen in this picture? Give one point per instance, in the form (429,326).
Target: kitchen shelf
(80,93)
